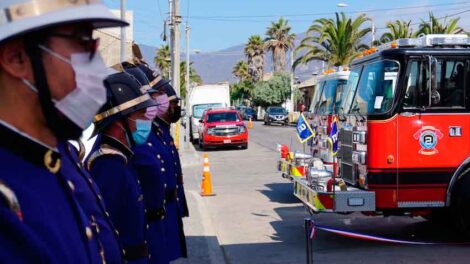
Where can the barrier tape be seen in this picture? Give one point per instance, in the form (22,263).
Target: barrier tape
(378,238)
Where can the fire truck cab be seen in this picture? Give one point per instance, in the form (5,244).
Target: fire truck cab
(404,145)
(330,94)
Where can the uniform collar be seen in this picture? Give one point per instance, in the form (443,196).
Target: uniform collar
(162,122)
(26,147)
(111,141)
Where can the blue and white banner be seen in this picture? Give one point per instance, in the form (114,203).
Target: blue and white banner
(304,131)
(333,136)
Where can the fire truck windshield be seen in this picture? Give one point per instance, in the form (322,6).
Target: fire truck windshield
(376,88)
(330,99)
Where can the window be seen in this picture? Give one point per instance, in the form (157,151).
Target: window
(449,87)
(351,86)
(222,117)
(376,88)
(316,97)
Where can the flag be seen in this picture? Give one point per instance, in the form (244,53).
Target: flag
(333,136)
(304,131)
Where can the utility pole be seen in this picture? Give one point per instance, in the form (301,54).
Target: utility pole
(187,80)
(175,20)
(291,80)
(123,31)
(373,33)
(188,62)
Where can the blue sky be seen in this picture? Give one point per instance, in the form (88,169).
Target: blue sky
(220,24)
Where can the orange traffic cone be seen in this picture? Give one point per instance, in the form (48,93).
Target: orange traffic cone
(250,123)
(206,184)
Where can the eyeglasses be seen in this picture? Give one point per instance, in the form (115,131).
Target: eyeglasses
(88,43)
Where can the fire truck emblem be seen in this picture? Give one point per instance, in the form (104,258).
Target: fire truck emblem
(428,137)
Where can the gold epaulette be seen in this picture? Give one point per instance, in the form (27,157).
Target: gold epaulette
(9,198)
(105,150)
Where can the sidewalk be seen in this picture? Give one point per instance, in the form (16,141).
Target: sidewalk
(201,238)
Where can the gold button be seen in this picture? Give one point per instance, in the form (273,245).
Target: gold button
(138,182)
(147,226)
(89,233)
(150,144)
(71,185)
(177,187)
(107,214)
(164,185)
(117,232)
(162,161)
(164,143)
(173,152)
(99,197)
(163,169)
(158,155)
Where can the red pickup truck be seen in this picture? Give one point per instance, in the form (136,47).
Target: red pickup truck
(222,127)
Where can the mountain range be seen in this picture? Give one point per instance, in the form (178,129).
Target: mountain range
(217,66)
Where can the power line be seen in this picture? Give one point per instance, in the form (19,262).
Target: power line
(327,13)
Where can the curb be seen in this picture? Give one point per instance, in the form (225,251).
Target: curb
(190,157)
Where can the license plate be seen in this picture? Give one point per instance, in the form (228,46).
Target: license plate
(226,141)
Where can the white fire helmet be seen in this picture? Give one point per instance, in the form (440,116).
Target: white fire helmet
(22,16)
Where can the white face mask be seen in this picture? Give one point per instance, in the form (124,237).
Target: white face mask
(81,104)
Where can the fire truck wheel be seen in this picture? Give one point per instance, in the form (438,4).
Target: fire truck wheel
(460,203)
(439,216)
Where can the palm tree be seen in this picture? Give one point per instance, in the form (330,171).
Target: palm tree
(279,40)
(194,78)
(434,26)
(397,30)
(240,70)
(162,60)
(254,51)
(336,41)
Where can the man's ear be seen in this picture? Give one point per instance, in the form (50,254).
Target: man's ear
(14,60)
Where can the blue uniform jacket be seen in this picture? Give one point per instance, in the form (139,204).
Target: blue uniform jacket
(166,136)
(152,181)
(163,151)
(50,209)
(109,165)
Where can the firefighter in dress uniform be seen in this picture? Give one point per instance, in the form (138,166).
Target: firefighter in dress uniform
(170,103)
(152,174)
(109,163)
(51,86)
(161,131)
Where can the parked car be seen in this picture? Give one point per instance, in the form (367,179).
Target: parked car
(248,113)
(276,114)
(222,127)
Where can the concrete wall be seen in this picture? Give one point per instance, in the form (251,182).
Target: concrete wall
(110,40)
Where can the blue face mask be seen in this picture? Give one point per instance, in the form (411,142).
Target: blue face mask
(142,132)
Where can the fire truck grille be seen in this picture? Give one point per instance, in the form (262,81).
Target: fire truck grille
(345,153)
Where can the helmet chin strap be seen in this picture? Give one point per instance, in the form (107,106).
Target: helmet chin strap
(62,128)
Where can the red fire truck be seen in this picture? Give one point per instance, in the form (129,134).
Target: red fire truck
(404,144)
(325,103)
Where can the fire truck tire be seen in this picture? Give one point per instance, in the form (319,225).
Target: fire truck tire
(460,203)
(439,216)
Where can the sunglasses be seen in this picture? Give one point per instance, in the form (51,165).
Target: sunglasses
(90,44)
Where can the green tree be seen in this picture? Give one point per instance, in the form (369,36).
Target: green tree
(162,60)
(397,30)
(275,91)
(434,26)
(241,91)
(194,77)
(240,70)
(254,51)
(336,41)
(279,40)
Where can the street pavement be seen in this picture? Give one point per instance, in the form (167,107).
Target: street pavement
(254,217)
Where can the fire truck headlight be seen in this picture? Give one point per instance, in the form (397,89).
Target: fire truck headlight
(359,137)
(359,157)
